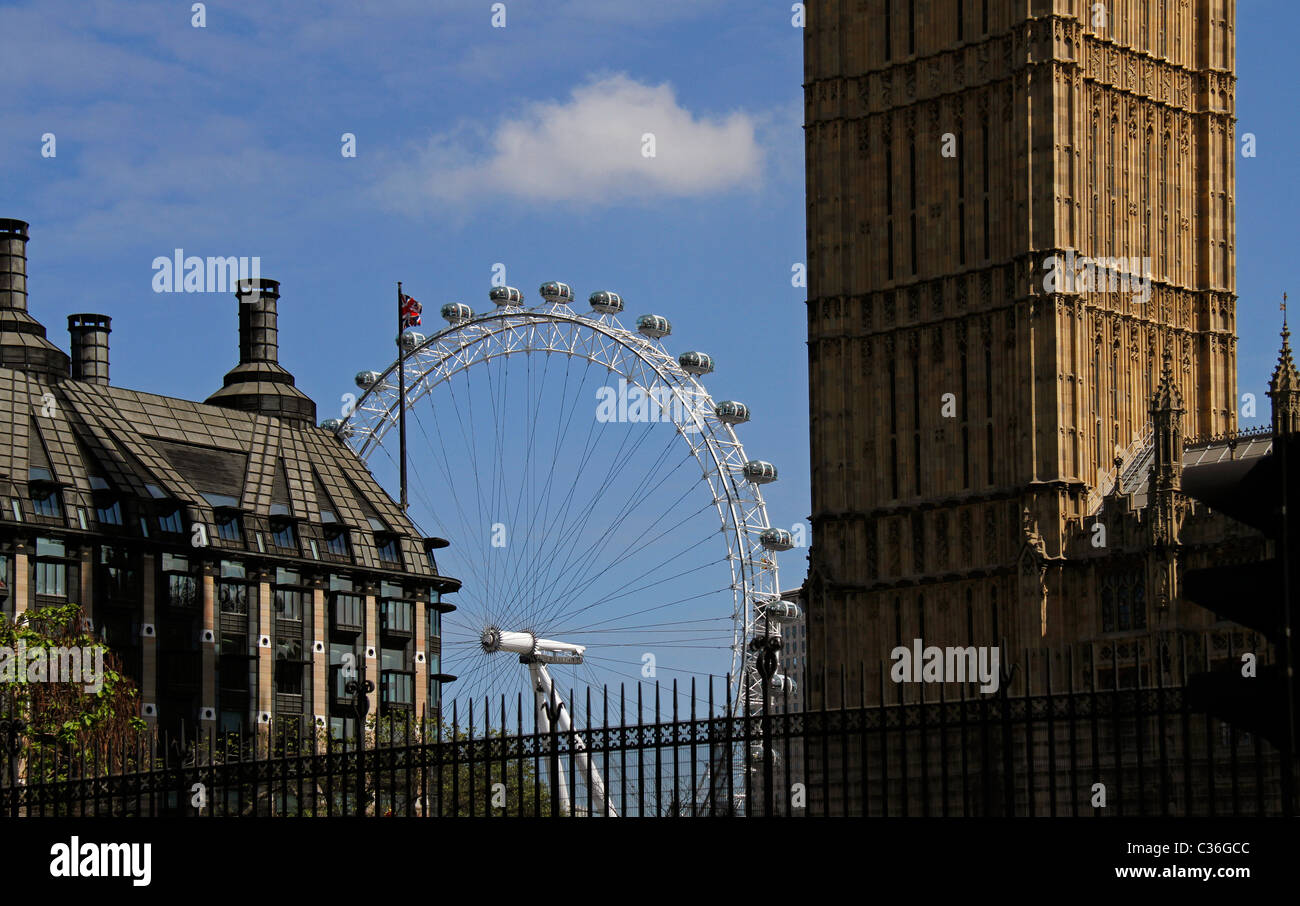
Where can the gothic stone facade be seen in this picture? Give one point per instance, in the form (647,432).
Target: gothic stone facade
(953,147)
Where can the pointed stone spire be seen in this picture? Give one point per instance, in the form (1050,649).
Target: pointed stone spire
(1165,479)
(1167,429)
(1167,397)
(1284,387)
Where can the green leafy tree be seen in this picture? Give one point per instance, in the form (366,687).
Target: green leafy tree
(502,782)
(66,725)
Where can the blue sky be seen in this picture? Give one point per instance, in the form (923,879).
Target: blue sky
(226,140)
(476,146)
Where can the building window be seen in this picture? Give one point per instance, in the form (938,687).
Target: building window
(291,601)
(1124,608)
(289,604)
(229,527)
(108,512)
(45,501)
(342,655)
(1123,602)
(348,612)
(233,597)
(392,659)
(289,666)
(435,684)
(342,728)
(396,687)
(181,588)
(435,623)
(4,582)
(232,663)
(336,541)
(51,570)
(171,521)
(395,616)
(288,678)
(232,590)
(52,579)
(387,547)
(118,580)
(284,535)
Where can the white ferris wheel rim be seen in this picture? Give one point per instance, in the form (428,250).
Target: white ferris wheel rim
(601,340)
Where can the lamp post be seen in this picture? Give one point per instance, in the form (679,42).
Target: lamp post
(359,688)
(766,648)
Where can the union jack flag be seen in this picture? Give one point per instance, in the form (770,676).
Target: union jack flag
(410,312)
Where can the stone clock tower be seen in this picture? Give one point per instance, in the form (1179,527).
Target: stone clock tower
(966,414)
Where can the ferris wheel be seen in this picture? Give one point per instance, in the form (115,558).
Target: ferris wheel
(602,511)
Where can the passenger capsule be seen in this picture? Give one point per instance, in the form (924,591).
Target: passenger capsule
(696,362)
(654,326)
(456,313)
(732,412)
(411,340)
(759,472)
(605,302)
(757,755)
(557,293)
(782,683)
(776,539)
(780,611)
(337,426)
(505,296)
(368,379)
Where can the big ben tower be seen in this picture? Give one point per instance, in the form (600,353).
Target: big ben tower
(968,406)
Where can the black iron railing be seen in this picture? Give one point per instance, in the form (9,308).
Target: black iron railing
(1059,737)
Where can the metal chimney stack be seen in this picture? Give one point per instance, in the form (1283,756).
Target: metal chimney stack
(259,383)
(23,345)
(258,321)
(13,264)
(90,347)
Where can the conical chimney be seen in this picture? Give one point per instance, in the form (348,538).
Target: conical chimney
(259,383)
(23,345)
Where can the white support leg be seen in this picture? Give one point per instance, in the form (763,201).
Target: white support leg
(548,697)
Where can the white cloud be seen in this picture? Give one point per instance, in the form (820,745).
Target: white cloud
(590,149)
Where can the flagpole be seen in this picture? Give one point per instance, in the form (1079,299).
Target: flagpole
(401,396)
